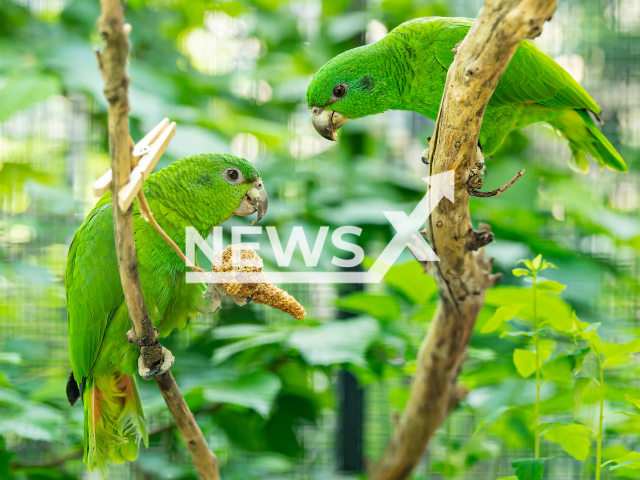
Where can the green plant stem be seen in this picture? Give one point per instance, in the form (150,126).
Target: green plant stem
(599,454)
(536,339)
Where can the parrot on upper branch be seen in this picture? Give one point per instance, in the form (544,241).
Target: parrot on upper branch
(199,191)
(407,70)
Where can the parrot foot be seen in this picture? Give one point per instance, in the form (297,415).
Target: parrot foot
(167,362)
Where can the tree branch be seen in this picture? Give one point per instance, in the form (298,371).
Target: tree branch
(112,64)
(463,275)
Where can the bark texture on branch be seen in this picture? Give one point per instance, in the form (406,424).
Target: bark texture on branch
(112,64)
(463,274)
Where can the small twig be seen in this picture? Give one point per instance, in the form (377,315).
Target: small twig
(146,213)
(498,191)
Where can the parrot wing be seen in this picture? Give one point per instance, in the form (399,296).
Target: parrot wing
(530,77)
(93,286)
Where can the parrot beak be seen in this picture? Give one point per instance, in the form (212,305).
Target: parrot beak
(255,200)
(327,122)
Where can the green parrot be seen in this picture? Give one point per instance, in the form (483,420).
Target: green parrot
(200,191)
(407,70)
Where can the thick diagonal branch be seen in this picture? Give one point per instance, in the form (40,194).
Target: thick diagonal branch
(112,62)
(462,274)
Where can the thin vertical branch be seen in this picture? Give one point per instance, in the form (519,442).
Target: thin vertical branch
(112,63)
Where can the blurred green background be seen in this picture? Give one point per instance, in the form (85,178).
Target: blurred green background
(317,399)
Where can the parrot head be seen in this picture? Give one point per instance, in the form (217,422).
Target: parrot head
(224,184)
(351,85)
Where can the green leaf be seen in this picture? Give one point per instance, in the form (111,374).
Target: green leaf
(518,333)
(344,341)
(615,351)
(10,357)
(491,418)
(410,280)
(256,391)
(532,469)
(382,307)
(579,392)
(573,438)
(519,272)
(626,460)
(527,263)
(635,401)
(502,314)
(558,370)
(537,262)
(22,91)
(525,362)
(223,353)
(546,264)
(550,286)
(238,330)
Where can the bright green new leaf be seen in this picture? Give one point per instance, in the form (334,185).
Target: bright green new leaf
(502,314)
(529,469)
(546,264)
(519,272)
(525,362)
(579,392)
(527,263)
(615,351)
(573,438)
(550,286)
(537,262)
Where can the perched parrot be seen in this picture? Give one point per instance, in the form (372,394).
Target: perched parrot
(407,70)
(200,191)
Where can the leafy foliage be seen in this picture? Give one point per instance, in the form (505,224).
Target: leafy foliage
(233,75)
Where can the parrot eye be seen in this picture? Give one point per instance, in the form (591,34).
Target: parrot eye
(339,91)
(233,176)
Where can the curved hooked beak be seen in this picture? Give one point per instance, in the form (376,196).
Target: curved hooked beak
(327,122)
(255,200)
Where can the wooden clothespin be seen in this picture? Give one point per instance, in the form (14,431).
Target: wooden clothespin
(145,156)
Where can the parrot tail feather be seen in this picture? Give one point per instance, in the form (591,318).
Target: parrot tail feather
(584,137)
(114,422)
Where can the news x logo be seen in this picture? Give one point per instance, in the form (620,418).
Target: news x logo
(407,235)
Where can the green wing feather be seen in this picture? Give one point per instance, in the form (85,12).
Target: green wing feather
(92,285)
(531,76)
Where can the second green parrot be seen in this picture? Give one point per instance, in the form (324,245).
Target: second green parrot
(200,191)
(407,70)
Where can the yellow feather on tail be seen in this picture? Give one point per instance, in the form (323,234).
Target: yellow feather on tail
(114,422)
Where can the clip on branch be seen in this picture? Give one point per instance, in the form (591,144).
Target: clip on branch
(125,184)
(144,157)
